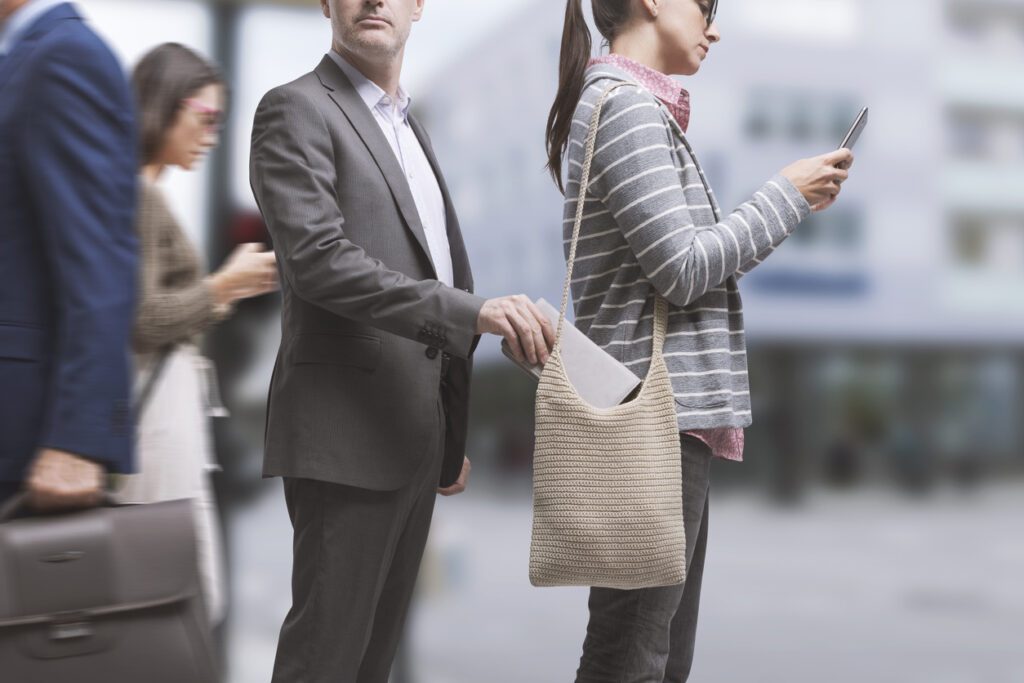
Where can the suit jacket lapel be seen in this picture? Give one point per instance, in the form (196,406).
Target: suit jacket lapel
(344,95)
(23,47)
(463,277)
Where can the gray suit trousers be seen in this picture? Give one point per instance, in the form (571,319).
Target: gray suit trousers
(648,635)
(356,557)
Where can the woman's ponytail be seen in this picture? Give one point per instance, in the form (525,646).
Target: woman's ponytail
(572,68)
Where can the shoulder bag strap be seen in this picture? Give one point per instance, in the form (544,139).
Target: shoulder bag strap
(661,305)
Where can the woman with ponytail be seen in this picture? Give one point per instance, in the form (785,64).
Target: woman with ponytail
(652,227)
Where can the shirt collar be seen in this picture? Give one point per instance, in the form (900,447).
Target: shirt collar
(21,20)
(372,94)
(662,86)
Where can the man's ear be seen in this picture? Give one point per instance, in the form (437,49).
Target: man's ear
(418,12)
(325,7)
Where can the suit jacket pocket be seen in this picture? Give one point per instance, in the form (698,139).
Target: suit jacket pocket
(359,351)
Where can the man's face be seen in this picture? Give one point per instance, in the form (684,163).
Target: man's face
(373,29)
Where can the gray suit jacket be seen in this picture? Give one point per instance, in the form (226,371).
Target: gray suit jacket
(366,327)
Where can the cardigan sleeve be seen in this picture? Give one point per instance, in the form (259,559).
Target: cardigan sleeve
(795,199)
(168,312)
(635,176)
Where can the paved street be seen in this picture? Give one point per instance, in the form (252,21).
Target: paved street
(847,588)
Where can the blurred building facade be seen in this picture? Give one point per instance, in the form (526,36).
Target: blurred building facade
(886,334)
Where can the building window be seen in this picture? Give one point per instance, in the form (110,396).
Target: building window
(798,115)
(841,119)
(997,28)
(801,120)
(841,229)
(975,133)
(993,244)
(970,242)
(968,135)
(759,124)
(968,25)
(833,22)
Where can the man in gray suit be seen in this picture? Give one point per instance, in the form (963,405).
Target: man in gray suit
(368,403)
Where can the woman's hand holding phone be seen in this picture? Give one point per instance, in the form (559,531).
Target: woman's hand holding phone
(819,179)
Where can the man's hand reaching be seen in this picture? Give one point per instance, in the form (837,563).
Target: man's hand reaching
(528,332)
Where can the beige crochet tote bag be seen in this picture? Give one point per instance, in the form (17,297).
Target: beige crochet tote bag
(607,483)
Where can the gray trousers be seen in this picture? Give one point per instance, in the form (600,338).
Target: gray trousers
(356,557)
(648,635)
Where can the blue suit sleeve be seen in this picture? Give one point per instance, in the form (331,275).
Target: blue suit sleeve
(79,154)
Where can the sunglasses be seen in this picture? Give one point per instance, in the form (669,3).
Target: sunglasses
(212,117)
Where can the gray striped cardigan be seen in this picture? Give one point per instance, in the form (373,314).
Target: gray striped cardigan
(651,224)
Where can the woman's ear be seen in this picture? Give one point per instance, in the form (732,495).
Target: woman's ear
(650,7)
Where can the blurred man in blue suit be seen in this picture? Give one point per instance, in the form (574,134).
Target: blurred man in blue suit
(67,257)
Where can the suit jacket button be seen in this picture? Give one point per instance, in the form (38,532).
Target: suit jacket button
(431,352)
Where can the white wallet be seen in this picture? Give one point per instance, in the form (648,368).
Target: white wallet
(598,378)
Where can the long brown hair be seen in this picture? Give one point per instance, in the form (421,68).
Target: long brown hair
(164,78)
(609,16)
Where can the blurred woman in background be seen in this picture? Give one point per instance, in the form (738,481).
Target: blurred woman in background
(652,228)
(180,103)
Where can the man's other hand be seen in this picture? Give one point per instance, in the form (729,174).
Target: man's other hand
(460,485)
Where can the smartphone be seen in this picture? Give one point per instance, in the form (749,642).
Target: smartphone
(855,130)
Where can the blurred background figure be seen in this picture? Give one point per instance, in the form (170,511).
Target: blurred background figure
(67,257)
(893,327)
(180,100)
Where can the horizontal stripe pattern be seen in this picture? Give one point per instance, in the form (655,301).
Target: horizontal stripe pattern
(651,224)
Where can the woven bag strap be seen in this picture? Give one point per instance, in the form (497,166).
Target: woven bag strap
(661,305)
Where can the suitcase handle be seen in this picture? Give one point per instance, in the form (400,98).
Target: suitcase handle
(84,617)
(19,503)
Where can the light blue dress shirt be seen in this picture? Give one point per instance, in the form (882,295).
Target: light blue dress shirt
(393,118)
(21,20)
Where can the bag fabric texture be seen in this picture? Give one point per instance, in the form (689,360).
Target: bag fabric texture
(607,483)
